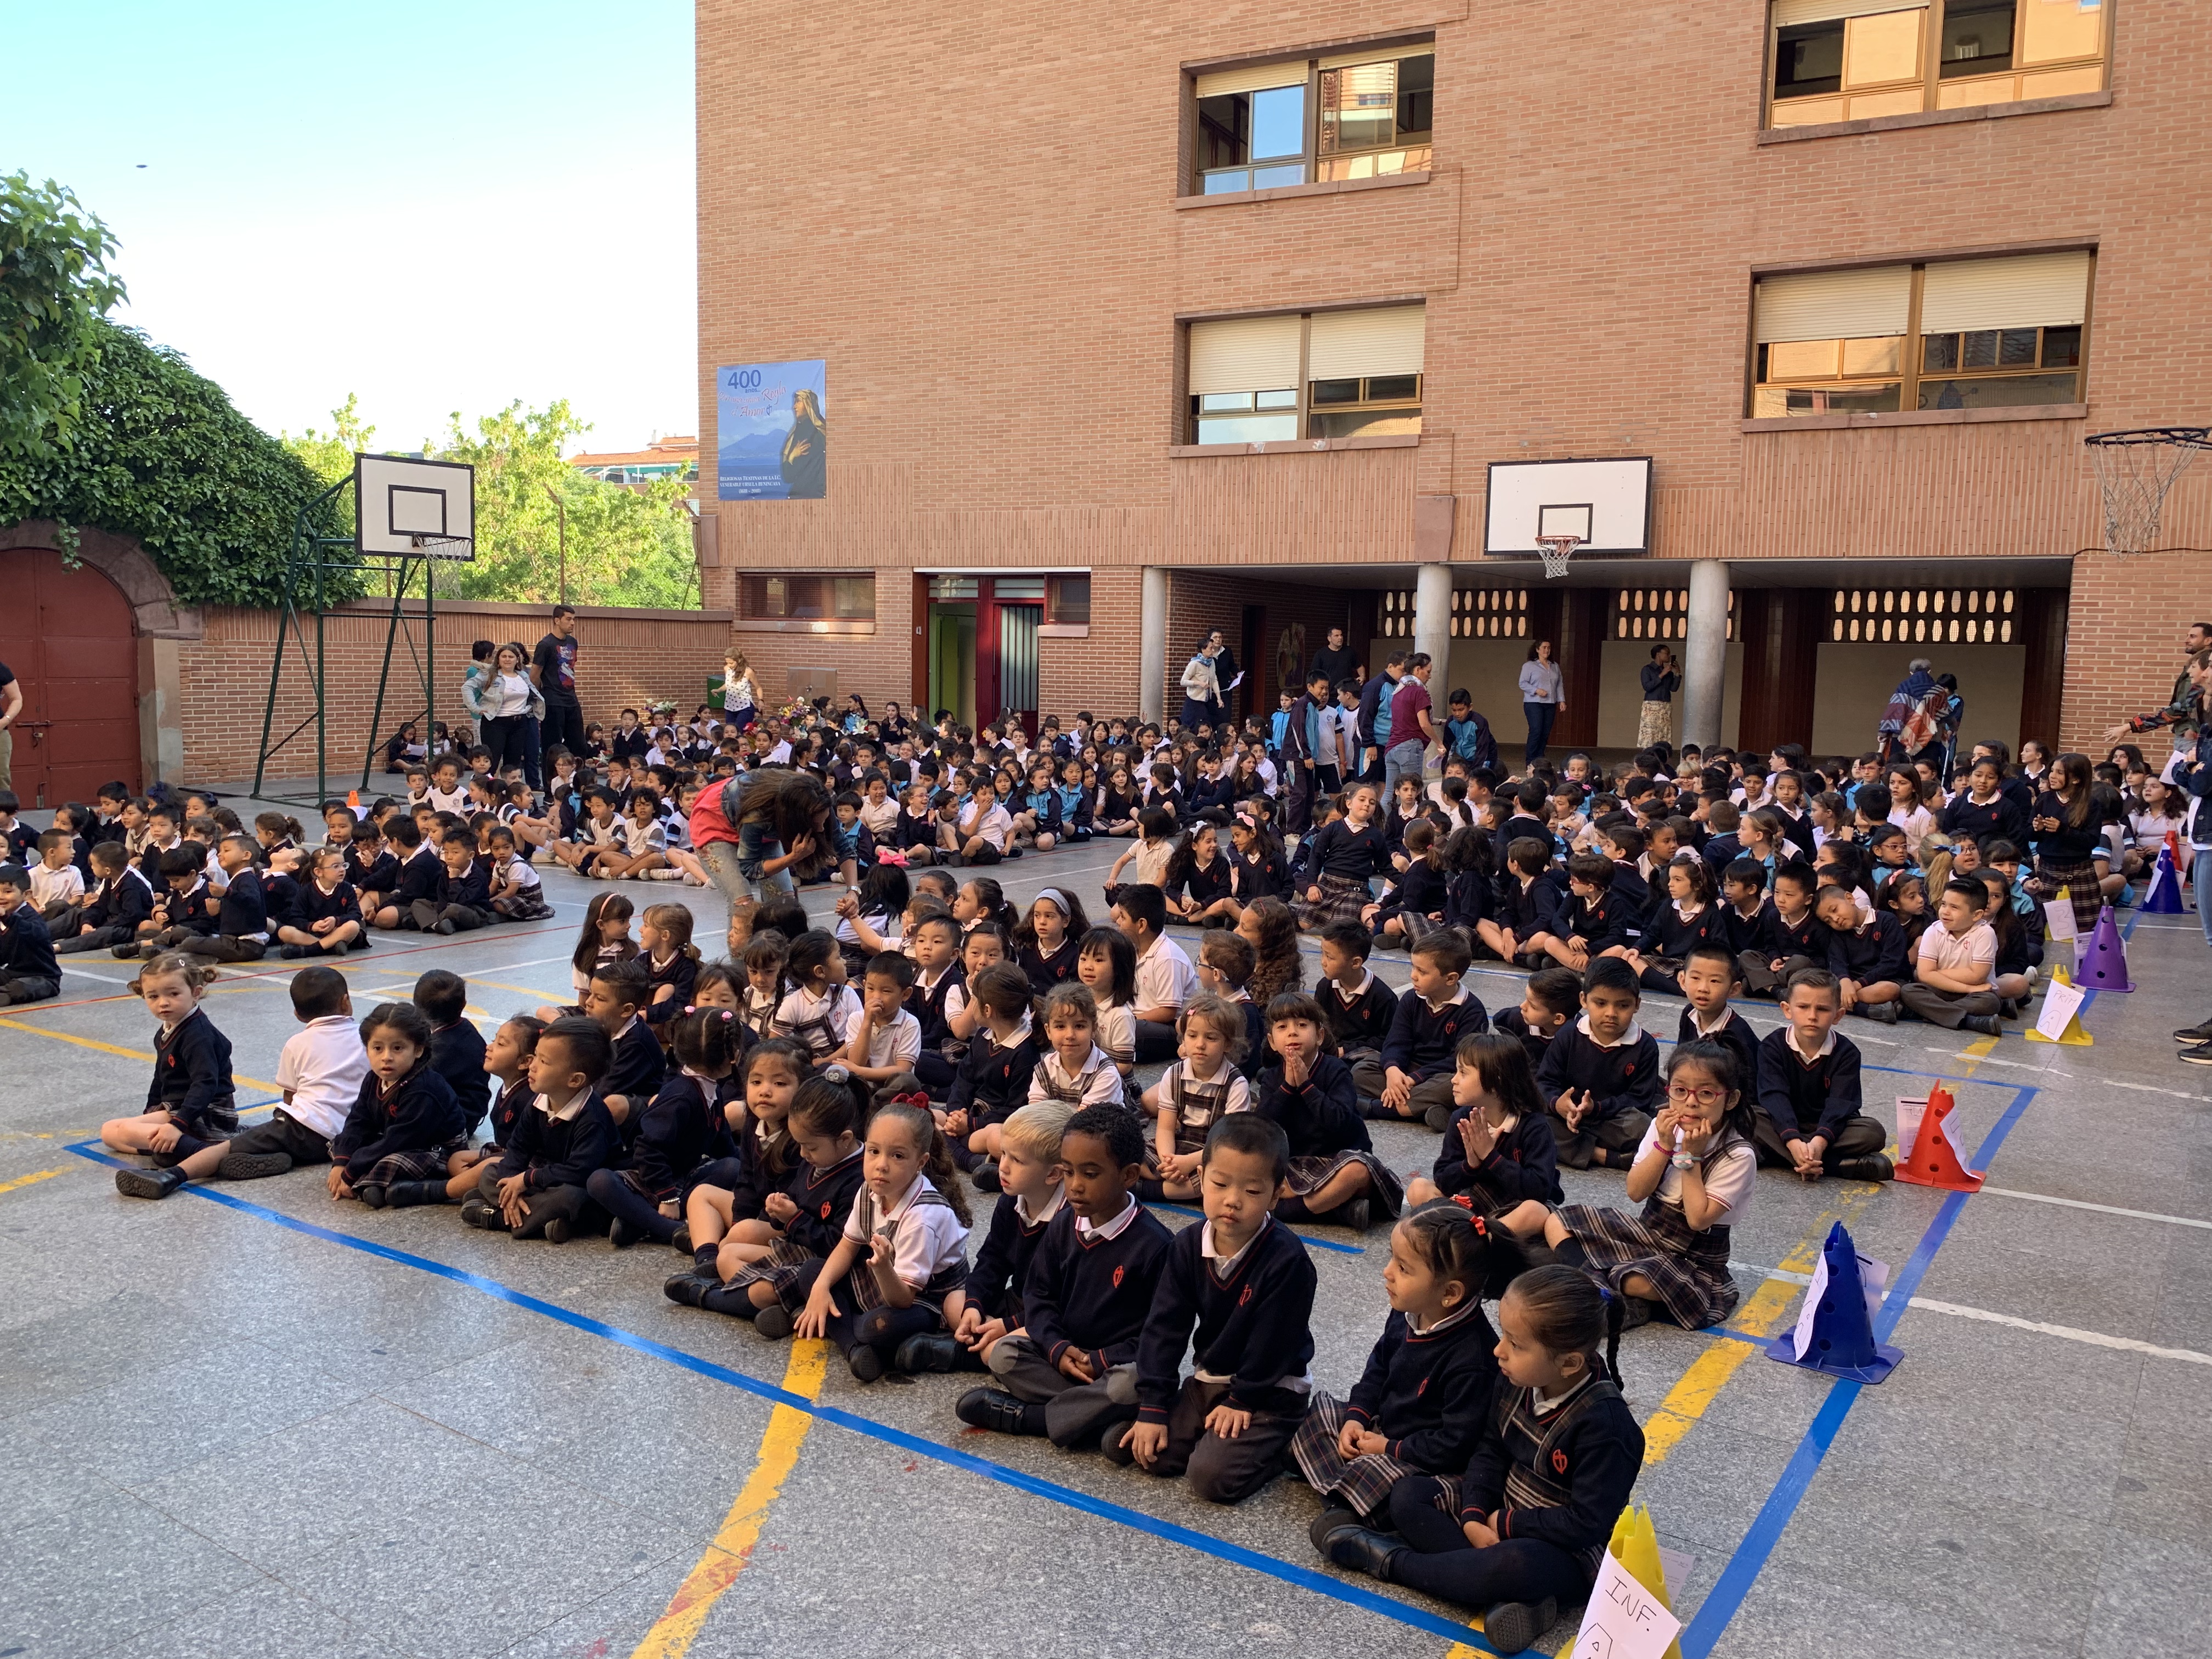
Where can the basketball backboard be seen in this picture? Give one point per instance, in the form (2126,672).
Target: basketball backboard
(1607,504)
(424,509)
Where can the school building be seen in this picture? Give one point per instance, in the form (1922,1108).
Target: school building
(1145,319)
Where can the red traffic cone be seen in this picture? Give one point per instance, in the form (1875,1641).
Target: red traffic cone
(1935,1159)
(2164,896)
(2104,965)
(1841,1339)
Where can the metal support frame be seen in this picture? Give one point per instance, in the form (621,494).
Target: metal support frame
(311,556)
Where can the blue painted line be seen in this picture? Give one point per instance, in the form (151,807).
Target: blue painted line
(1318,1244)
(1727,1595)
(1301,1577)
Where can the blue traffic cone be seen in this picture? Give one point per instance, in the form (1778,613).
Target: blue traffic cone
(2164,899)
(1842,1341)
(2105,966)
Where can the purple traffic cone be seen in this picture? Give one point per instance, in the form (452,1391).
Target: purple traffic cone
(2105,964)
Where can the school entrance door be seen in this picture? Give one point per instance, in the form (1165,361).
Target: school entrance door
(67,636)
(976,647)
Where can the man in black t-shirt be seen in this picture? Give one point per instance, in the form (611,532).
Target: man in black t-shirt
(553,670)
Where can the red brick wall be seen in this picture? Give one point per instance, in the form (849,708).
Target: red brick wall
(627,657)
(1202,599)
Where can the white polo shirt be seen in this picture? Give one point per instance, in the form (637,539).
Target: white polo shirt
(323,1065)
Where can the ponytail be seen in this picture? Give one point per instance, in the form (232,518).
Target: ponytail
(936,1155)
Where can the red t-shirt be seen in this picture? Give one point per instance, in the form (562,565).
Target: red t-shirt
(1408,703)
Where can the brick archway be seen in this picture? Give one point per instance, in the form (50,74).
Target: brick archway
(154,612)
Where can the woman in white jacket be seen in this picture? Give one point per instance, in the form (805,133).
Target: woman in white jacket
(1201,691)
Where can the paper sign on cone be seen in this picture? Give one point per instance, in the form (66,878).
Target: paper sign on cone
(1635,1545)
(2060,1020)
(1935,1159)
(2104,965)
(2164,899)
(1624,1619)
(1834,1332)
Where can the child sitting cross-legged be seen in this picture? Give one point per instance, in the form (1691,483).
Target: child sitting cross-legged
(733,1190)
(1432,1017)
(1068,1370)
(1335,1174)
(536,1188)
(1710,974)
(1418,1407)
(1602,1077)
(1246,1284)
(886,1040)
(1520,1533)
(1549,1000)
(1029,1196)
(1199,1088)
(1809,1118)
(507,1064)
(994,1075)
(641,1192)
(1500,1154)
(1073,1068)
(1695,1169)
(406,1124)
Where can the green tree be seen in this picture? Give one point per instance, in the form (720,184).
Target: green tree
(329,455)
(55,288)
(623,547)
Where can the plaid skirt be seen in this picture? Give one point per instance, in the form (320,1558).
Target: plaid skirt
(2083,891)
(1364,1483)
(1689,1269)
(1310,1173)
(780,1269)
(416,1164)
(1342,898)
(784,1270)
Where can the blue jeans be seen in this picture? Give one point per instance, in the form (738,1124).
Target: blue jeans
(1540,716)
(2200,874)
(1403,760)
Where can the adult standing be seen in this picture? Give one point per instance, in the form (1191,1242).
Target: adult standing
(11,705)
(1911,725)
(1412,726)
(2182,700)
(503,701)
(1375,699)
(1305,752)
(553,672)
(1224,675)
(740,693)
(1334,659)
(1654,725)
(1542,697)
(1201,689)
(753,831)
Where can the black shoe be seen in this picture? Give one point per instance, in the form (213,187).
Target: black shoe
(986,1177)
(774,1322)
(1110,1446)
(253,1166)
(148,1183)
(371,1193)
(991,1408)
(1881,1013)
(689,1289)
(443,924)
(2200,1032)
(1355,1215)
(2008,1009)
(475,1213)
(292,952)
(406,1194)
(1982,1025)
(683,1239)
(2199,1055)
(1362,1550)
(557,1231)
(1516,1626)
(1636,1310)
(622,1235)
(866,1364)
(930,1352)
(1874,1166)
(1329,1521)
(1437,1118)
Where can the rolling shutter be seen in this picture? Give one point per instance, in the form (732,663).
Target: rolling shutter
(1244,354)
(2026,291)
(1383,54)
(1253,78)
(1789,13)
(1382,340)
(1834,304)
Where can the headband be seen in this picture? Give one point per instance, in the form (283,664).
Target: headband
(1058,898)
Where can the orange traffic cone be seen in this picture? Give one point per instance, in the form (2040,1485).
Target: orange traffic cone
(353,799)
(1936,1160)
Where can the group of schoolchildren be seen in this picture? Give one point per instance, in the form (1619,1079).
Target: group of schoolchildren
(794,1122)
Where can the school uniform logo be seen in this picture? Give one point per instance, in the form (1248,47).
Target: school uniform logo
(1246,1298)
(1423,1389)
(1558,1462)
(1118,1272)
(825,1211)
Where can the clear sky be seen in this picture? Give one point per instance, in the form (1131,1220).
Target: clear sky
(439,207)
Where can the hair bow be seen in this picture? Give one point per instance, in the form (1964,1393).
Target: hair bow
(915,1098)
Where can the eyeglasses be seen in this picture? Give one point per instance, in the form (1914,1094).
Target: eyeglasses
(1683,1092)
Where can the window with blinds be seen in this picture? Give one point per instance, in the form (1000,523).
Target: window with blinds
(1354,373)
(1956,334)
(1362,114)
(1849,60)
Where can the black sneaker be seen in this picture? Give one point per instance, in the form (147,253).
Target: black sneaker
(253,1166)
(148,1183)
(371,1193)
(986,1177)
(2201,1054)
(620,1234)
(1881,1013)
(291,952)
(1516,1626)
(991,1408)
(774,1322)
(689,1289)
(1437,1118)
(1635,1312)
(1354,1215)
(475,1213)
(866,1364)
(1874,1166)
(930,1352)
(2200,1032)
(1982,1025)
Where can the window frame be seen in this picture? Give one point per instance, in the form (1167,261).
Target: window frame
(1932,82)
(1304,410)
(840,615)
(1309,160)
(1912,354)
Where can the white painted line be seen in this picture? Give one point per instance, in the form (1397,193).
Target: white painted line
(2094,1339)
(86,973)
(2101,1209)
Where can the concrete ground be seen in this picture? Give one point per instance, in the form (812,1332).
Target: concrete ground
(250,1421)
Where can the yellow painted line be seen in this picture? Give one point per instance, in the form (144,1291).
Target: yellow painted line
(30,1180)
(1973,1053)
(678,1626)
(1763,1313)
(98,1047)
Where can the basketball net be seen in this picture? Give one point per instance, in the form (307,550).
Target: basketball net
(2134,470)
(1556,551)
(444,547)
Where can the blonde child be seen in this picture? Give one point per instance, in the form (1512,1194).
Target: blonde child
(1199,1088)
(1029,1195)
(1074,1069)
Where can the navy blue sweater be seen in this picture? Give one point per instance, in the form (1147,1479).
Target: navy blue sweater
(1524,1163)
(1320,1117)
(1808,936)
(1360,1022)
(122,902)
(377,875)
(1623,1078)
(1737,1035)
(311,904)
(1597,1458)
(420,1112)
(928,1007)
(1093,1294)
(191,1074)
(1534,1044)
(1667,934)
(1002,1265)
(1428,1396)
(547,1153)
(1422,1038)
(1873,952)
(824,1198)
(1254,1326)
(1809,1100)
(421,877)
(27,946)
(992,1083)
(457,1055)
(637,1066)
(674,1131)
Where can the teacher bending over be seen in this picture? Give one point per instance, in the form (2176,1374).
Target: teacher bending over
(1540,699)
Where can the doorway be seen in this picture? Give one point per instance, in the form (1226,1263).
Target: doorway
(977,651)
(68,637)
(952,661)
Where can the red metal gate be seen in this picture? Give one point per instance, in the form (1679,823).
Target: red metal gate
(67,635)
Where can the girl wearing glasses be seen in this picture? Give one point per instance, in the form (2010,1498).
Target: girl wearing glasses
(1694,1171)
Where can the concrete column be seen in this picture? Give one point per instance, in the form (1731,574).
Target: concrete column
(1152,646)
(1432,597)
(1704,653)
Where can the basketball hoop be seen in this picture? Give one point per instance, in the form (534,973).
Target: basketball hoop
(445,547)
(2134,470)
(1556,551)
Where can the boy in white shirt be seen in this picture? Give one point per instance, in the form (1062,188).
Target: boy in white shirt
(886,1040)
(56,885)
(1165,979)
(982,829)
(447,793)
